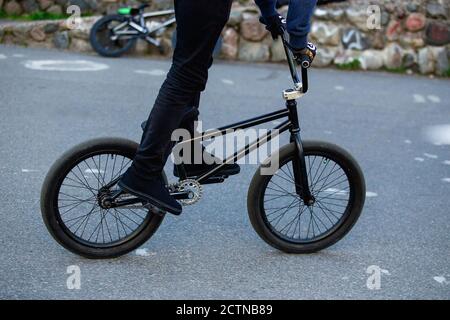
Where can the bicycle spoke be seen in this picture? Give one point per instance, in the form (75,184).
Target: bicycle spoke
(283,213)
(78,201)
(326,177)
(75,206)
(280,208)
(324,210)
(323,170)
(295,221)
(107,228)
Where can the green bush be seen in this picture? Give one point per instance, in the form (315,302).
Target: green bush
(2,14)
(41,15)
(396,70)
(355,64)
(38,15)
(447,73)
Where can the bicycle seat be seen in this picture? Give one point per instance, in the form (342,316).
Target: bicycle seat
(133,11)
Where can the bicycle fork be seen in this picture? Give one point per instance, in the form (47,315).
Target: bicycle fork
(299,164)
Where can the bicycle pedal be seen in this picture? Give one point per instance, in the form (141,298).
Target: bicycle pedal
(215,179)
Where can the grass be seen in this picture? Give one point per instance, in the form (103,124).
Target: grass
(447,73)
(38,15)
(355,64)
(396,70)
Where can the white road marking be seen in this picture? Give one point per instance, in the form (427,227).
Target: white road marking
(370,194)
(418,98)
(439,134)
(144,252)
(65,65)
(228,82)
(407,141)
(94,171)
(434,99)
(18,55)
(440,279)
(328,132)
(419,159)
(446,162)
(339,88)
(336,191)
(29,170)
(446,180)
(2,56)
(155,72)
(431,156)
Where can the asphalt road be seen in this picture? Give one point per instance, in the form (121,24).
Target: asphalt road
(211,250)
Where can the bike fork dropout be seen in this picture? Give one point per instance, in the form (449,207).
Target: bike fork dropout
(299,164)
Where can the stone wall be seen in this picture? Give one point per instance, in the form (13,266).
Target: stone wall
(48,34)
(57,7)
(87,7)
(412,36)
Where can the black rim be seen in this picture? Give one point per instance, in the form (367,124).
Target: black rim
(103,37)
(289,218)
(78,209)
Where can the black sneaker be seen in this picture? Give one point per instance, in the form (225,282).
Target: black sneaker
(194,170)
(153,190)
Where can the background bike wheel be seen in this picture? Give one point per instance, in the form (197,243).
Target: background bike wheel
(100,37)
(281,219)
(70,208)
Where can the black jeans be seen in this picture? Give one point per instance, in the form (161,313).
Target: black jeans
(199,25)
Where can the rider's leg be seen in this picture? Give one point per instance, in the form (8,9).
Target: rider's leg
(199,24)
(194,154)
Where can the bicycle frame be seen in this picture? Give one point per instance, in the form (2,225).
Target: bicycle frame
(291,124)
(140,29)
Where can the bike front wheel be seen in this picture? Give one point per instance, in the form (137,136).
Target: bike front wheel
(279,215)
(71,201)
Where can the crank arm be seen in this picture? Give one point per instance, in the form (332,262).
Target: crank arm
(134,200)
(180,195)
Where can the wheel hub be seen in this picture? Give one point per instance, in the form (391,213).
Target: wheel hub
(104,199)
(309,202)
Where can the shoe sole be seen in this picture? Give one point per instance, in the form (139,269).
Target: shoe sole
(226,172)
(150,199)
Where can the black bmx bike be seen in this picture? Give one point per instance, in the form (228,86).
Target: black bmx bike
(309,202)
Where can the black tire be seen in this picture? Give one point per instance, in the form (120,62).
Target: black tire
(356,196)
(50,201)
(100,31)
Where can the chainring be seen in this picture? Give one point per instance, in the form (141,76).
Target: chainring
(194,188)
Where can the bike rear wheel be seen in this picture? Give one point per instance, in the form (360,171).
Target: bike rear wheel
(105,41)
(71,201)
(279,215)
